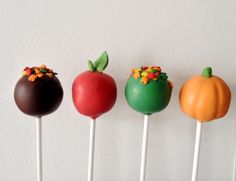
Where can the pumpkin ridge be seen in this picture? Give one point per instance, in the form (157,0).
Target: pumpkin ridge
(219,99)
(216,99)
(215,91)
(226,100)
(183,96)
(196,115)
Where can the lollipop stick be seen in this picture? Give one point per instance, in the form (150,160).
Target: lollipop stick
(91,149)
(234,163)
(144,148)
(196,151)
(39,149)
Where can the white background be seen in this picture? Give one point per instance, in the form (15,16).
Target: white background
(181,36)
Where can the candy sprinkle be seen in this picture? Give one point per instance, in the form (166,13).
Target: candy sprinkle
(148,73)
(38,72)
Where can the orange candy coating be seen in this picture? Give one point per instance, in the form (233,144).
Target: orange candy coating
(205,98)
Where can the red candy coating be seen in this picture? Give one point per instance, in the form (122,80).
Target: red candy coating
(94,93)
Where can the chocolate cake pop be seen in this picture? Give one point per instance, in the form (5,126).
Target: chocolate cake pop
(38,92)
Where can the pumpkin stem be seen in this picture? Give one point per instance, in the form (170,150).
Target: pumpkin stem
(207,72)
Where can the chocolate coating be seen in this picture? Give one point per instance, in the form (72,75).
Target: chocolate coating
(40,97)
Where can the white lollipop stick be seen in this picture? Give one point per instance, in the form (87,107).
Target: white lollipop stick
(91,149)
(144,149)
(39,149)
(234,164)
(196,151)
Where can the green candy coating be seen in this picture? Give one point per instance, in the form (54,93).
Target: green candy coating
(150,98)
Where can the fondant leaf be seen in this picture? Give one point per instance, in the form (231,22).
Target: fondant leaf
(95,64)
(91,66)
(101,63)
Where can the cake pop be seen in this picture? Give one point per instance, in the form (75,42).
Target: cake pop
(205,98)
(38,93)
(94,93)
(147,91)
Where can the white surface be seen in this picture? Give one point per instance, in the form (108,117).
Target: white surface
(182,36)
(197,148)
(144,148)
(39,149)
(91,149)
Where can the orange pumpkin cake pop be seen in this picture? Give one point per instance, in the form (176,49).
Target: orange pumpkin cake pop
(205,97)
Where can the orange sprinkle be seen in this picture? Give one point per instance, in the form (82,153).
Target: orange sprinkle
(43,66)
(136,75)
(32,78)
(49,74)
(171,84)
(37,71)
(144,80)
(40,75)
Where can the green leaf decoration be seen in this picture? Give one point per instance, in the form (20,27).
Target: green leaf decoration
(91,66)
(95,64)
(100,64)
